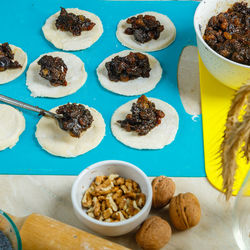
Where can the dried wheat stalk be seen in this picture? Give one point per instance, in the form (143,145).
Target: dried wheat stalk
(235,134)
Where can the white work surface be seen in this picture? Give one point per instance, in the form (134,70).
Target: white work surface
(50,195)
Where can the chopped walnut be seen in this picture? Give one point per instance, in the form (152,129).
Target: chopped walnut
(113,198)
(122,203)
(118,216)
(136,187)
(131,195)
(107,213)
(120,181)
(99,180)
(91,214)
(117,194)
(101,218)
(87,200)
(126,216)
(103,206)
(129,184)
(113,176)
(124,189)
(140,200)
(101,198)
(97,207)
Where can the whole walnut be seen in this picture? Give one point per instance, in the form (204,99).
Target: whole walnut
(184,211)
(163,190)
(154,233)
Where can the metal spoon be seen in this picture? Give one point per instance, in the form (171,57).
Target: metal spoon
(32,108)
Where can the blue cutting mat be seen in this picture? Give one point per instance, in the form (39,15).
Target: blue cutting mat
(23,21)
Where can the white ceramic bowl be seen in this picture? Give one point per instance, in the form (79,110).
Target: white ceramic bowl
(123,169)
(230,73)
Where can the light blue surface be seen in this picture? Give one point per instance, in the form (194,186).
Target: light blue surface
(23,21)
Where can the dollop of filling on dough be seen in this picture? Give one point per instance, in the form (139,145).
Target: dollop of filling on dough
(73,23)
(144,117)
(54,70)
(75,118)
(144,28)
(129,67)
(228,33)
(7,58)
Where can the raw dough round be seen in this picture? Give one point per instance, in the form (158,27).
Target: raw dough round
(60,143)
(167,36)
(157,138)
(11,74)
(12,124)
(189,80)
(76,76)
(65,40)
(133,87)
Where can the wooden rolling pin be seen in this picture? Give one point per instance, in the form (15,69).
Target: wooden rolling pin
(39,232)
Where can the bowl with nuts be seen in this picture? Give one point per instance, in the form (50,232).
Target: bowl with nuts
(112,197)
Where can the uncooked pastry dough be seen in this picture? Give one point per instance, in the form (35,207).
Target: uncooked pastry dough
(65,40)
(11,74)
(189,81)
(76,76)
(167,36)
(133,87)
(12,124)
(157,138)
(60,143)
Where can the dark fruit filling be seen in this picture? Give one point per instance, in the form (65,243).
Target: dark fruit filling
(229,33)
(128,68)
(7,58)
(75,118)
(144,28)
(73,23)
(53,69)
(144,117)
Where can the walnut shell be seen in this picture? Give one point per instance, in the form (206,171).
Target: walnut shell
(184,211)
(154,233)
(163,190)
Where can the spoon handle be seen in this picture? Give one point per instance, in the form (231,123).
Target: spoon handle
(26,106)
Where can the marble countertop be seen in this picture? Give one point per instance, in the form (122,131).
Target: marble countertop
(50,196)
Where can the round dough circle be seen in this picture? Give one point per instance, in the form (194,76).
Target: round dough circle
(65,40)
(60,143)
(12,124)
(157,138)
(11,74)
(76,76)
(137,86)
(167,36)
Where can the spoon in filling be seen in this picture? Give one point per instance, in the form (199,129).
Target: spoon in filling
(144,117)
(7,58)
(73,118)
